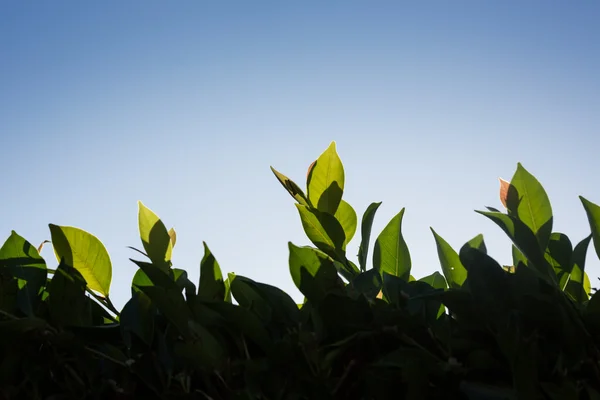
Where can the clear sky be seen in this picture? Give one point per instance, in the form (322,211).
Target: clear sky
(185,105)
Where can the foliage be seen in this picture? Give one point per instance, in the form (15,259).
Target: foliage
(478,330)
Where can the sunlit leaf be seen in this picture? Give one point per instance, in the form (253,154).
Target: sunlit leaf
(391,253)
(575,286)
(365,227)
(346,216)
(155,237)
(323,230)
(211,286)
(84,252)
(527,200)
(593,213)
(558,254)
(325,181)
(26,265)
(435,280)
(452,268)
(292,188)
(525,241)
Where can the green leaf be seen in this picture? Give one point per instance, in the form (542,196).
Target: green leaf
(84,252)
(435,280)
(391,253)
(265,300)
(452,268)
(67,302)
(478,243)
(346,216)
(323,230)
(313,272)
(527,200)
(558,254)
(368,283)
(211,286)
(155,237)
(136,317)
(525,241)
(157,277)
(575,287)
(25,264)
(365,228)
(518,257)
(593,213)
(291,187)
(227,283)
(325,181)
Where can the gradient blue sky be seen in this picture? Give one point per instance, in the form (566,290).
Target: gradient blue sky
(185,105)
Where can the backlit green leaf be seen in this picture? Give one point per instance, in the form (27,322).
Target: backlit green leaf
(593,213)
(291,187)
(211,286)
(525,241)
(25,264)
(452,268)
(558,254)
(527,200)
(155,237)
(365,228)
(478,243)
(325,181)
(84,252)
(346,216)
(391,253)
(575,286)
(435,280)
(313,272)
(323,230)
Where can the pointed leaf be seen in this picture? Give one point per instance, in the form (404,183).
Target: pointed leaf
(558,254)
(452,268)
(517,256)
(575,287)
(25,264)
(291,187)
(325,181)
(525,241)
(313,272)
(211,285)
(84,252)
(155,237)
(527,200)
(391,253)
(593,213)
(365,228)
(323,230)
(478,243)
(346,216)
(227,283)
(435,280)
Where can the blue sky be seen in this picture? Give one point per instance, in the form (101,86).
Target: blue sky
(185,105)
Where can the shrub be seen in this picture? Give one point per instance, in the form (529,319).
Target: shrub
(478,330)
